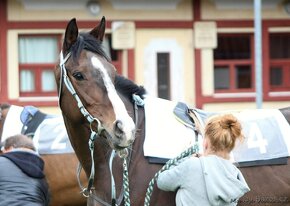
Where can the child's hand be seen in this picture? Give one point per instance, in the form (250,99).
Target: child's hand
(196,155)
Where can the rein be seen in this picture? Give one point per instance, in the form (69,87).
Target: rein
(87,191)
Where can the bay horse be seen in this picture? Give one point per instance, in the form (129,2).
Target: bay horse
(60,171)
(97,102)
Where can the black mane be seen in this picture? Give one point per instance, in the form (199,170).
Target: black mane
(128,87)
(90,43)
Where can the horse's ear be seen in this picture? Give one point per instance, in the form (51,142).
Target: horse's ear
(99,31)
(71,35)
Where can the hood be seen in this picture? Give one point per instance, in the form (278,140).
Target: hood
(224,182)
(29,163)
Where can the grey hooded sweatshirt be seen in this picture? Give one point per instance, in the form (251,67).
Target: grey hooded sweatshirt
(22,180)
(205,181)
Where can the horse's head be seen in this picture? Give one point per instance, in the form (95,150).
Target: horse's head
(85,69)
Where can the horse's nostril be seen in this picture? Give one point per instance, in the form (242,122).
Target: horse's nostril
(118,128)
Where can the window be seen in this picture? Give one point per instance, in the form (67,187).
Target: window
(279,62)
(37,59)
(233,64)
(163,75)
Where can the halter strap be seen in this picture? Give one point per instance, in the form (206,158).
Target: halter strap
(64,78)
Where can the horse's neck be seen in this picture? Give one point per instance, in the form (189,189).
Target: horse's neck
(103,175)
(79,137)
(139,119)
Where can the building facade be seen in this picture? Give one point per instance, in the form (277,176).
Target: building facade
(197,51)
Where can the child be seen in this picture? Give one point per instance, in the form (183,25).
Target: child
(211,179)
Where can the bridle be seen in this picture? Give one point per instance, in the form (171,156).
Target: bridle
(124,154)
(65,79)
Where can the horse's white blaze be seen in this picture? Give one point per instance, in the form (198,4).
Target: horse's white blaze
(118,105)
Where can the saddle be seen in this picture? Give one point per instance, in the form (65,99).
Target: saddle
(31,118)
(187,116)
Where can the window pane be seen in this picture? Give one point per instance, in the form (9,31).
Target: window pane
(27,81)
(280,46)
(243,77)
(221,78)
(163,61)
(233,47)
(276,76)
(48,81)
(37,49)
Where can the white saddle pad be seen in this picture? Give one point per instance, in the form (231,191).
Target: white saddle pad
(50,137)
(266,134)
(165,136)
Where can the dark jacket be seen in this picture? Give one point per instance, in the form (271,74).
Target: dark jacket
(22,181)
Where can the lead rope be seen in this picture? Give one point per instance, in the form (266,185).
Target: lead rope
(113,186)
(91,143)
(124,153)
(126,183)
(168,164)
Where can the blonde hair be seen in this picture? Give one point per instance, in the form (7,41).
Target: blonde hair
(222,132)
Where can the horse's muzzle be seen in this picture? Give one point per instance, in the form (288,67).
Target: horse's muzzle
(124,136)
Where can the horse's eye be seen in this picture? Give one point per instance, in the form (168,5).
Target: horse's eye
(78,76)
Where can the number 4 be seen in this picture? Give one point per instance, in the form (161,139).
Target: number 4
(256,140)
